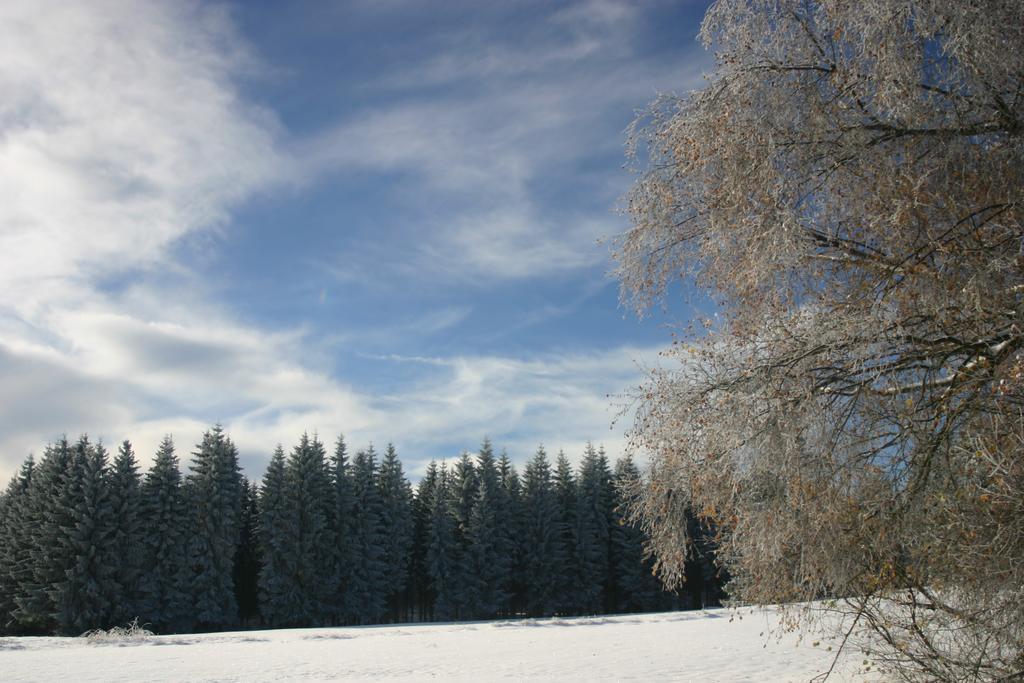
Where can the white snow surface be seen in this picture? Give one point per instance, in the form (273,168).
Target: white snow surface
(712,645)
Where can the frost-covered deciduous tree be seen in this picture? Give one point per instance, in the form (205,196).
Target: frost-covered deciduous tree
(848,188)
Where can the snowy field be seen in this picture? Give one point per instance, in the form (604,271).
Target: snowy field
(714,645)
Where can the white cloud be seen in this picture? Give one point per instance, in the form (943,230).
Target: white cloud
(488,125)
(123,131)
(561,400)
(120,131)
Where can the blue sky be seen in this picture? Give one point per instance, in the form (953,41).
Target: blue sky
(372,217)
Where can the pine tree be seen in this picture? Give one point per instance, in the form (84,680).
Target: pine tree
(635,587)
(593,524)
(14,542)
(308,499)
(276,523)
(214,492)
(544,554)
(87,594)
(367,588)
(570,599)
(397,518)
(442,555)
(512,518)
(165,604)
(247,559)
(341,522)
(125,497)
(488,559)
(48,522)
(423,594)
(462,492)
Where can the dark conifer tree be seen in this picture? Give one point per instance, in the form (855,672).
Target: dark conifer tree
(569,599)
(367,586)
(462,491)
(50,554)
(87,595)
(165,604)
(423,594)
(214,493)
(544,554)
(125,495)
(275,525)
(247,560)
(593,526)
(15,536)
(704,586)
(488,560)
(397,517)
(513,519)
(310,546)
(634,587)
(442,556)
(341,529)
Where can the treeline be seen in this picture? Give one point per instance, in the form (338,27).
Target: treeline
(324,539)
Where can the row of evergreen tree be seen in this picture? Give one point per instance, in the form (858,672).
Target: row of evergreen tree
(87,543)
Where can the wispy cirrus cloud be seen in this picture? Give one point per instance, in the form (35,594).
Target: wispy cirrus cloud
(495,136)
(129,143)
(121,132)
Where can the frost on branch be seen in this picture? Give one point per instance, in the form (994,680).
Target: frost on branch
(848,188)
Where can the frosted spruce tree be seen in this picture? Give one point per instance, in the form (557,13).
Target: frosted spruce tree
(125,496)
(397,518)
(310,546)
(635,587)
(277,523)
(462,492)
(489,557)
(341,522)
(593,521)
(49,520)
(213,490)
(513,519)
(247,557)
(442,552)
(165,604)
(423,595)
(87,596)
(567,574)
(543,549)
(367,585)
(15,536)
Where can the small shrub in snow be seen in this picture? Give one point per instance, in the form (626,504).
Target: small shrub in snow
(133,632)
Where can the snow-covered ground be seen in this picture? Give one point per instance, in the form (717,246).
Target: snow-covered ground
(714,645)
